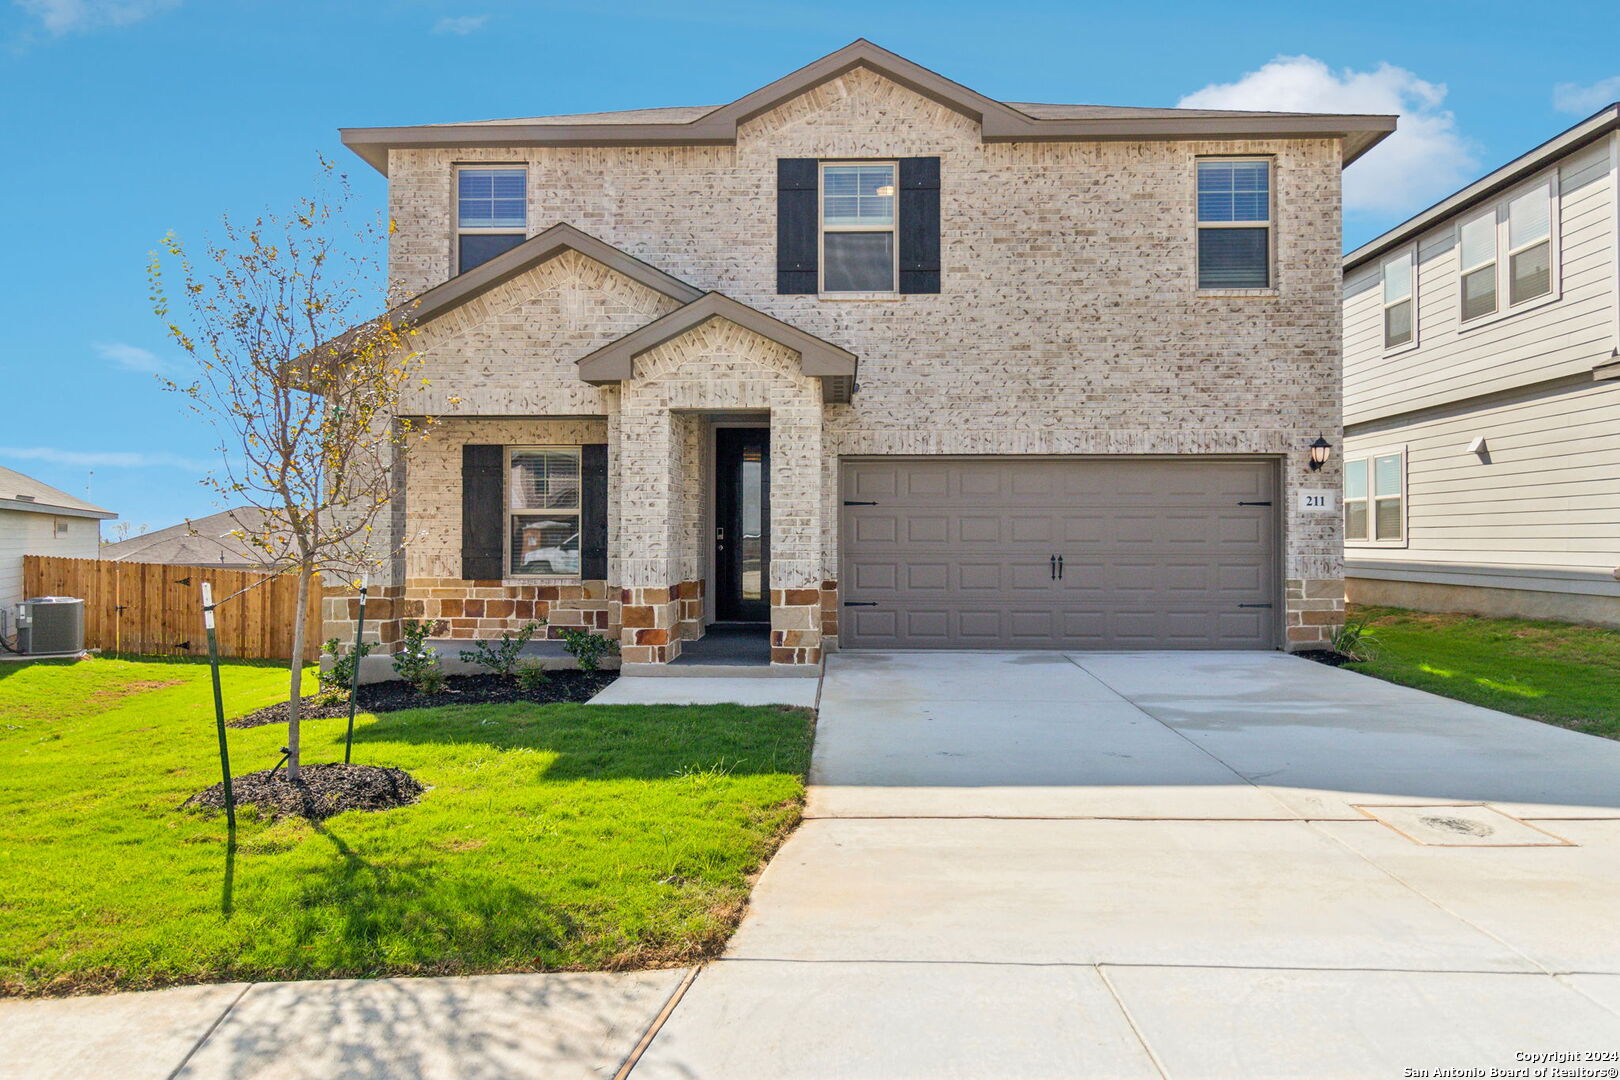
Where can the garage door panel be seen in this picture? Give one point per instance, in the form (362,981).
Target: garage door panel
(1157,554)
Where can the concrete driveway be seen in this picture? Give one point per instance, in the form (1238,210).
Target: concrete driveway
(1182,865)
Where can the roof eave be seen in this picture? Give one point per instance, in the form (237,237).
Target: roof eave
(1491,184)
(57,511)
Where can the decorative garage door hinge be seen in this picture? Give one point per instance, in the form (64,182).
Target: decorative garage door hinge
(1254,605)
(1266,503)
(852,502)
(860,603)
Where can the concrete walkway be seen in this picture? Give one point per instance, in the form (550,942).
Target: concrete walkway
(1181,865)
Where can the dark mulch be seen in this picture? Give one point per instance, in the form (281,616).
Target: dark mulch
(322,790)
(560,687)
(1325,656)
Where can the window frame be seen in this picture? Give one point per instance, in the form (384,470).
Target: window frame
(1505,307)
(893,229)
(1270,225)
(1366,459)
(508,512)
(456,229)
(1410,254)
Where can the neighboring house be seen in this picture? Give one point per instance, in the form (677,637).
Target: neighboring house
(37,519)
(877,361)
(206,541)
(1482,393)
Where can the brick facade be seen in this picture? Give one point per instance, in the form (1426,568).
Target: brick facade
(1068,323)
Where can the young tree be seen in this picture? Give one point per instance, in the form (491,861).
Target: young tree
(301,383)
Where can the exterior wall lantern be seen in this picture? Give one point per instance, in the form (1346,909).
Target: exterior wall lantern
(1321,450)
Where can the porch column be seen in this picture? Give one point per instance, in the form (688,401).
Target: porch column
(649,473)
(796,465)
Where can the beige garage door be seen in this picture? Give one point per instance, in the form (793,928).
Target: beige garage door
(1096,553)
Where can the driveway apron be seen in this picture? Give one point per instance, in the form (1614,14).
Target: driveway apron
(1167,865)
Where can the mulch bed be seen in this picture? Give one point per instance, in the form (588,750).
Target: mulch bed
(560,687)
(1325,656)
(322,790)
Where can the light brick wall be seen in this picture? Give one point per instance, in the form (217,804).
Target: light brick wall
(1069,321)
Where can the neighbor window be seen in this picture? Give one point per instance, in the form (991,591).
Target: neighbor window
(1400,300)
(1234,223)
(542,507)
(1375,499)
(857,227)
(491,213)
(1507,252)
(1476,245)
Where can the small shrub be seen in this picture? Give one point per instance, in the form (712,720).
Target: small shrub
(1355,640)
(588,647)
(501,658)
(336,680)
(531,676)
(416,662)
(430,680)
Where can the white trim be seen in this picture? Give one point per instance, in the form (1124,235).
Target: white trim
(893,229)
(1269,224)
(1505,308)
(1410,253)
(508,512)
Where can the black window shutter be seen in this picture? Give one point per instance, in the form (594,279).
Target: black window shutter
(593,475)
(797,180)
(483,512)
(919,225)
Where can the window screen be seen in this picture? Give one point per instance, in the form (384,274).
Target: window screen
(1234,224)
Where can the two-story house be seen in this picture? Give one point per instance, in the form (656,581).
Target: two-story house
(1482,393)
(867,359)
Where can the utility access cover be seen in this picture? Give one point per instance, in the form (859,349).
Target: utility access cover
(1466,825)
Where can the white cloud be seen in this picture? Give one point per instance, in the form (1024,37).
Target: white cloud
(1574,98)
(131,357)
(58,17)
(1425,159)
(460,24)
(115,459)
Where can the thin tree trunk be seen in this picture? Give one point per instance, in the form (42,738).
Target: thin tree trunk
(296,691)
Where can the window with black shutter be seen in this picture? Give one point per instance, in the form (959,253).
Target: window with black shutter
(857,227)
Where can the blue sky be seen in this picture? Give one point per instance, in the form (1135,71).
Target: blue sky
(125,119)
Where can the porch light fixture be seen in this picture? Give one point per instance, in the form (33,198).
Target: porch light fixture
(1321,450)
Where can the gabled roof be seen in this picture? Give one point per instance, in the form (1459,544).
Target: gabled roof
(536,250)
(1566,142)
(202,541)
(615,361)
(22,492)
(999,121)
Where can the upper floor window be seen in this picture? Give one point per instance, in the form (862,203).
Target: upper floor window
(542,508)
(1234,223)
(491,213)
(1400,299)
(858,227)
(1375,499)
(1507,252)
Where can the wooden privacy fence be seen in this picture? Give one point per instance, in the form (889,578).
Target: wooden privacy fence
(156,609)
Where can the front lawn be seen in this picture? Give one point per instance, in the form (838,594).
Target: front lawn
(550,837)
(1559,673)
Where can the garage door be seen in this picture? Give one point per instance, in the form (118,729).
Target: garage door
(1094,553)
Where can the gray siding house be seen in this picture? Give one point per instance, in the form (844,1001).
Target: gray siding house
(867,359)
(1482,393)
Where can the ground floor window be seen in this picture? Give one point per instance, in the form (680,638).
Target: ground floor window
(542,509)
(1375,498)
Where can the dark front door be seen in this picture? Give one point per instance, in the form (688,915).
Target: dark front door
(742,530)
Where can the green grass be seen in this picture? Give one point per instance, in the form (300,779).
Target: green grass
(1555,672)
(551,837)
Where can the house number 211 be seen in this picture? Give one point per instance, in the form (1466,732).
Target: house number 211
(1316,500)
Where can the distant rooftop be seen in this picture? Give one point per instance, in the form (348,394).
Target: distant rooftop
(21,492)
(200,542)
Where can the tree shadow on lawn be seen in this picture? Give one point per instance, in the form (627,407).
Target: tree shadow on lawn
(628,742)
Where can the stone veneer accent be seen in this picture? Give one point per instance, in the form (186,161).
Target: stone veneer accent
(1068,323)
(656,619)
(796,626)
(1315,611)
(340,607)
(485,609)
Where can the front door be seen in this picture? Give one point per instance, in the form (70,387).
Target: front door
(742,530)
